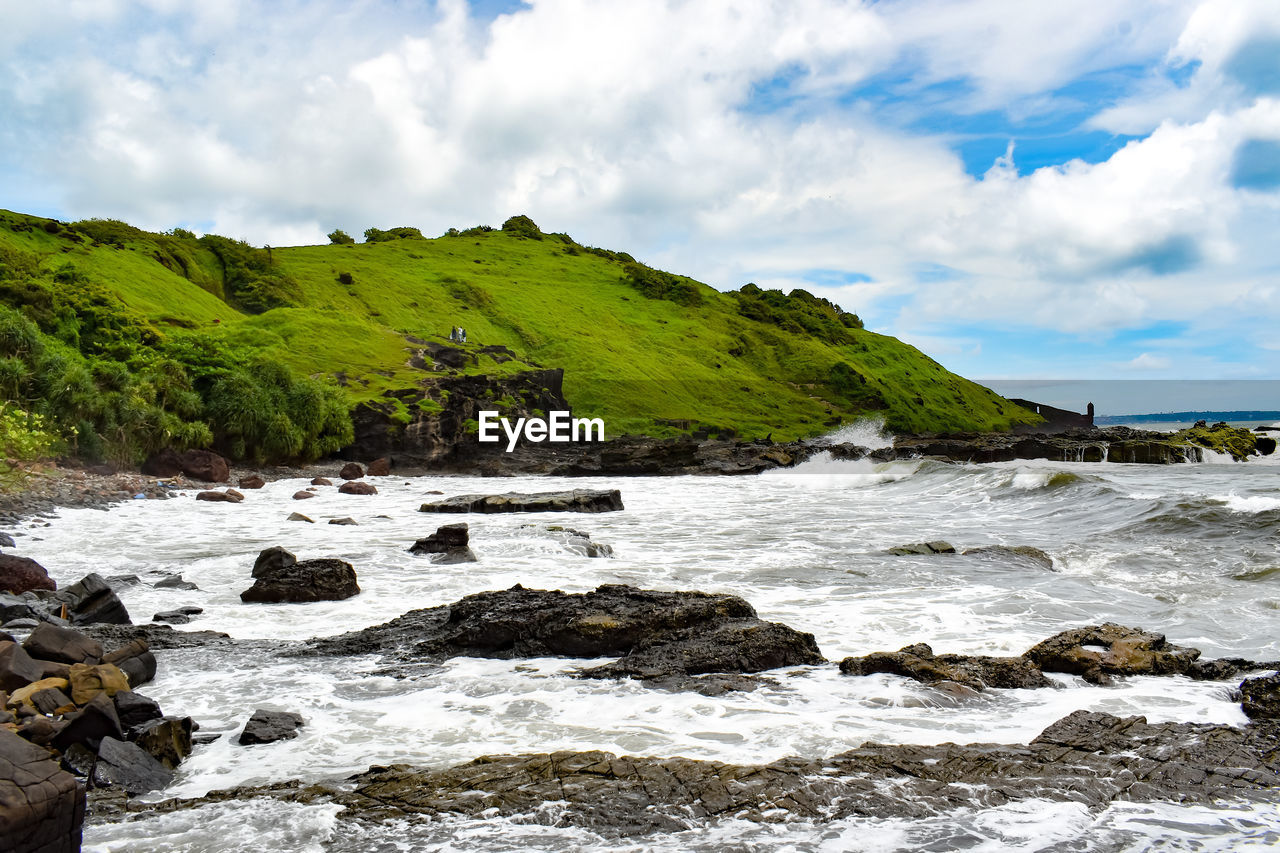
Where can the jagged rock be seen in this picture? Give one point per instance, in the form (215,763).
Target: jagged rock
(205,465)
(91,600)
(454,555)
(51,701)
(379,467)
(19,574)
(41,805)
(446,536)
(95,721)
(87,681)
(1260,697)
(270,726)
(128,766)
(1096,651)
(36,728)
(220,497)
(348,521)
(167,739)
(1090,759)
(356,487)
(134,709)
(271,560)
(297,516)
(577,500)
(129,640)
(1265,445)
(16,607)
(1015,553)
(735,646)
(580,542)
(17,668)
(321,481)
(172,617)
(303,495)
(309,580)
(6,541)
(660,633)
(935,547)
(136,661)
(175,582)
(976,671)
(49,642)
(351,471)
(251,481)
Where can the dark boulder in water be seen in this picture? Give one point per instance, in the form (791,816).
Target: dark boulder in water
(923,548)
(351,471)
(653,633)
(447,545)
(357,487)
(576,500)
(977,671)
(325,579)
(1013,554)
(270,726)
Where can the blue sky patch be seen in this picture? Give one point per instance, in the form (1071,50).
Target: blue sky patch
(1256,165)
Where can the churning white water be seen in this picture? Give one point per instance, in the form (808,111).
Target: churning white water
(1192,551)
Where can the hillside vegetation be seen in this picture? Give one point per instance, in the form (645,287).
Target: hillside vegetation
(129,340)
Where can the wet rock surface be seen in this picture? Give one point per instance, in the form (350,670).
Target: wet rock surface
(1098,651)
(654,634)
(449,544)
(576,500)
(976,671)
(1088,758)
(281,577)
(41,805)
(270,726)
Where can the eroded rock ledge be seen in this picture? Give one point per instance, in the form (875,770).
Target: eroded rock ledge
(1086,757)
(666,638)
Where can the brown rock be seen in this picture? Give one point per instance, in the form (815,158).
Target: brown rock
(297,516)
(20,574)
(302,496)
(166,463)
(321,481)
(23,694)
(976,671)
(88,681)
(351,471)
(252,481)
(379,467)
(1096,651)
(205,465)
(355,487)
(219,497)
(41,805)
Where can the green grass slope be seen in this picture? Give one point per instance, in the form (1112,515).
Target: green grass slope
(652,365)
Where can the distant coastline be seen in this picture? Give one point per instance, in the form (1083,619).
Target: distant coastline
(1189,417)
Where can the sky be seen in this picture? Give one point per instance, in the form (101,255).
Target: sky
(1085,189)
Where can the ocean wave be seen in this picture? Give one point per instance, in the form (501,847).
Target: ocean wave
(866,432)
(1249,503)
(860,472)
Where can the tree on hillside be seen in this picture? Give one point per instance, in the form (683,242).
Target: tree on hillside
(340,237)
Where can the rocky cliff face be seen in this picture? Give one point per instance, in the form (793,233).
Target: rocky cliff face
(431,430)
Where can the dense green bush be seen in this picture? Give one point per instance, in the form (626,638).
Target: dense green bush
(798,312)
(657,284)
(251,281)
(340,237)
(522,226)
(404,232)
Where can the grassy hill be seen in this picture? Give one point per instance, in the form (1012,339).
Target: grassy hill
(645,350)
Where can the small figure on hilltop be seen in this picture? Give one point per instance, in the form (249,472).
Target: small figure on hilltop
(463,333)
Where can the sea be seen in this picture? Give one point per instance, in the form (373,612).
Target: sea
(1192,551)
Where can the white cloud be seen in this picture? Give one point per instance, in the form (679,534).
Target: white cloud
(624,124)
(1147,361)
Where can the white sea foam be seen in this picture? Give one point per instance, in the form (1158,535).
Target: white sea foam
(805,547)
(1248,503)
(866,432)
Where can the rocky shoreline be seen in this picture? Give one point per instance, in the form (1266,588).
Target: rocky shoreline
(50,487)
(673,640)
